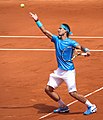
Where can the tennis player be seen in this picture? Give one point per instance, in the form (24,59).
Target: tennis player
(65,71)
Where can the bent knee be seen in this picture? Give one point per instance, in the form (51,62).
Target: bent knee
(73,94)
(48,89)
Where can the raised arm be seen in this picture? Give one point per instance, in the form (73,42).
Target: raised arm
(40,25)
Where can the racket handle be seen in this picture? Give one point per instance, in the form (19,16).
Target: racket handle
(83,54)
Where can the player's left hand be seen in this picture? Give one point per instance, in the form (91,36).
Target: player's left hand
(34,16)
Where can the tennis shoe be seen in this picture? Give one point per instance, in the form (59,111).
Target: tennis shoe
(62,110)
(90,110)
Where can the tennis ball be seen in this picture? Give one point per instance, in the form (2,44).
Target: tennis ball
(22,5)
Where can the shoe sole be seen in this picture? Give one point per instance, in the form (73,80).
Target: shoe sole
(66,111)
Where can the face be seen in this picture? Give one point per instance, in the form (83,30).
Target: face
(61,31)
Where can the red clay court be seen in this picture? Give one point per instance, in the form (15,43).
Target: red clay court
(27,58)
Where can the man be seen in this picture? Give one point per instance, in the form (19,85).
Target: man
(65,71)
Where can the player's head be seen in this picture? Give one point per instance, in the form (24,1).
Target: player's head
(66,28)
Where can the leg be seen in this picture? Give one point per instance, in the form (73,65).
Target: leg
(91,107)
(70,81)
(53,83)
(50,91)
(71,84)
(63,108)
(79,97)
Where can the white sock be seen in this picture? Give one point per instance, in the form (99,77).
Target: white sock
(88,103)
(61,103)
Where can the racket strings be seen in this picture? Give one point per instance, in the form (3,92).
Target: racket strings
(69,54)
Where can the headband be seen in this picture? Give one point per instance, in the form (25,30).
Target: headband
(66,28)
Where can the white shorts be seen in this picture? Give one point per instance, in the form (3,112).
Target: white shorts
(59,76)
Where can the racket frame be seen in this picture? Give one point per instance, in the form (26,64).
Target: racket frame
(74,56)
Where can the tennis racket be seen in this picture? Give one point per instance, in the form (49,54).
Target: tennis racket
(69,54)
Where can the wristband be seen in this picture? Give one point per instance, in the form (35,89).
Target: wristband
(86,50)
(39,24)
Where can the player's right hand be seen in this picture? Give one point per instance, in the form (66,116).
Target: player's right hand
(88,54)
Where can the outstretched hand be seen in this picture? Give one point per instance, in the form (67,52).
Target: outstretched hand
(34,16)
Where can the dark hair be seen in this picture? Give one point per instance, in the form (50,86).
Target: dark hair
(67,27)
